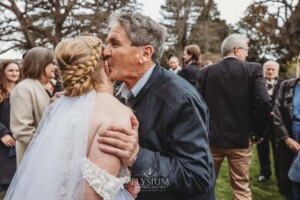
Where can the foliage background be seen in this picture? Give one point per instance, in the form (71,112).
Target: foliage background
(273,26)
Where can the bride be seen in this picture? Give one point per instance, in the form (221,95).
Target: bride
(63,160)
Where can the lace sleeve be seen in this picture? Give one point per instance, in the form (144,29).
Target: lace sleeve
(105,184)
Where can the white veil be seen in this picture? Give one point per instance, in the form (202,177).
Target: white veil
(54,152)
(50,169)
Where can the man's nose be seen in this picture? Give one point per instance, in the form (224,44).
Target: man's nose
(107,51)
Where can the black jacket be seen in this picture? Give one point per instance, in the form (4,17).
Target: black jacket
(270,125)
(283,110)
(283,120)
(190,73)
(174,161)
(234,91)
(8,164)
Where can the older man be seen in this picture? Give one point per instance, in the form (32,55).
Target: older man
(270,72)
(172,159)
(174,65)
(233,90)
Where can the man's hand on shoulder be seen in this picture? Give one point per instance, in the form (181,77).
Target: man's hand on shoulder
(121,143)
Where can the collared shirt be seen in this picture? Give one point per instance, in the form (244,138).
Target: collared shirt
(230,57)
(178,69)
(126,93)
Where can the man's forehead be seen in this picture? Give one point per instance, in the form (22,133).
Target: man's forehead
(271,66)
(115,33)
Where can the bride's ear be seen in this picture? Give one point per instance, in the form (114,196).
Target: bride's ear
(105,66)
(105,81)
(146,54)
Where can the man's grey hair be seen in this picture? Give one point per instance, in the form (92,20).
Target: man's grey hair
(141,30)
(233,41)
(273,63)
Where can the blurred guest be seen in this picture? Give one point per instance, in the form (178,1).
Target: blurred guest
(270,72)
(234,89)
(174,65)
(287,135)
(10,75)
(31,96)
(191,59)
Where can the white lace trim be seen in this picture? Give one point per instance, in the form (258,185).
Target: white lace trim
(105,184)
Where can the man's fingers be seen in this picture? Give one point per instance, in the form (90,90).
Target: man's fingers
(113,142)
(114,151)
(134,124)
(116,132)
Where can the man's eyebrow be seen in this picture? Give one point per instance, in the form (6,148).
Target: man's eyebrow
(112,39)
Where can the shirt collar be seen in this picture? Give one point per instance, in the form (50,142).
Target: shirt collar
(175,70)
(126,93)
(230,57)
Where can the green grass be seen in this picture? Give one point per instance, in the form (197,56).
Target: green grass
(260,191)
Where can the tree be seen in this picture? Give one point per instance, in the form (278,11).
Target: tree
(273,27)
(26,24)
(261,29)
(193,22)
(291,32)
(209,30)
(179,16)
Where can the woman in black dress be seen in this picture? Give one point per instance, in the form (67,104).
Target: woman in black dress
(10,75)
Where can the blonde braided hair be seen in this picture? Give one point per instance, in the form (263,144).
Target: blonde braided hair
(80,62)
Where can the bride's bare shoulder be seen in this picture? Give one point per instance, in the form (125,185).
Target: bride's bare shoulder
(109,108)
(109,112)
(110,103)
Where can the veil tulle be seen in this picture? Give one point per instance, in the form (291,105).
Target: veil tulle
(50,169)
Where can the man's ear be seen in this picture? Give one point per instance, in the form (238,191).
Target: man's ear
(147,52)
(237,52)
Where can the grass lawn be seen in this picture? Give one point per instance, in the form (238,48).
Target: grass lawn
(260,191)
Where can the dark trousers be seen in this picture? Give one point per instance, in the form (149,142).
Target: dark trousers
(263,150)
(296,191)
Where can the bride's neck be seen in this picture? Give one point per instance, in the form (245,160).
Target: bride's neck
(105,88)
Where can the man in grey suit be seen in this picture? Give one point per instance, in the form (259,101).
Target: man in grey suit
(234,90)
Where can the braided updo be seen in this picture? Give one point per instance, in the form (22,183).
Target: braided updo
(79,59)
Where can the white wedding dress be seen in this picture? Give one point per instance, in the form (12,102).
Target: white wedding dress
(55,166)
